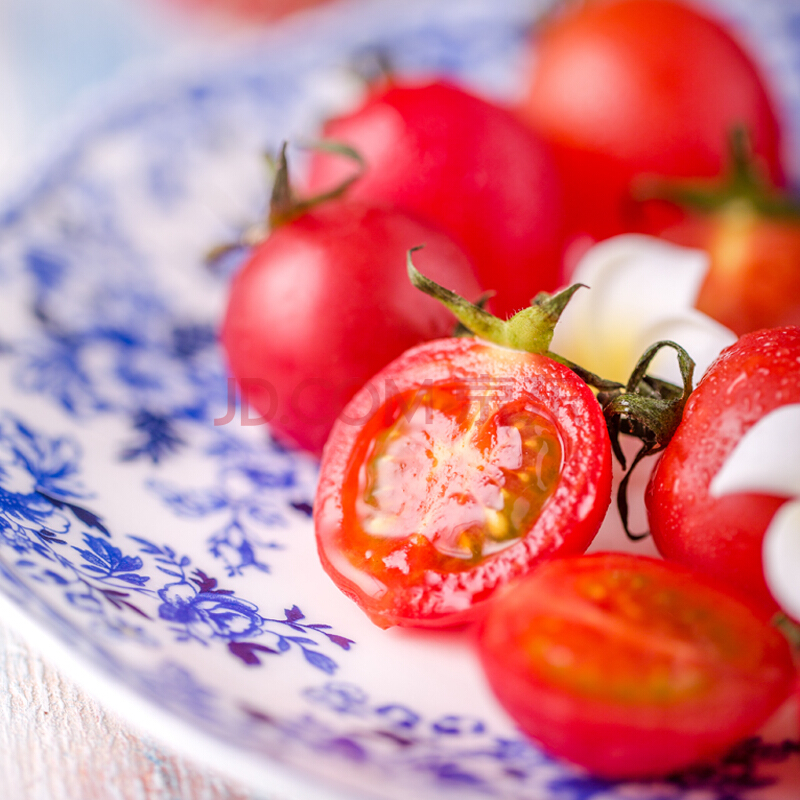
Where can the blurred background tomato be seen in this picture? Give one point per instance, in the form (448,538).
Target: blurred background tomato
(247,11)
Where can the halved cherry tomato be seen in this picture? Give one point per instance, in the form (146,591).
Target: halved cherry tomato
(722,536)
(469,165)
(323,303)
(625,87)
(631,667)
(454,470)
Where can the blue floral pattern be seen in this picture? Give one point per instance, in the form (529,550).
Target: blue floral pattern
(254,494)
(178,556)
(38,474)
(147,358)
(38,479)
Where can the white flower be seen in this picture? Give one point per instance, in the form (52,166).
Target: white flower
(766,461)
(641,290)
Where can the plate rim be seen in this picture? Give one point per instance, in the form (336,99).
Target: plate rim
(259,772)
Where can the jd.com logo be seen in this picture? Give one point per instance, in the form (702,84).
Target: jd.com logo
(479,389)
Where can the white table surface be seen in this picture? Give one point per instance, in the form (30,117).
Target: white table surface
(58,743)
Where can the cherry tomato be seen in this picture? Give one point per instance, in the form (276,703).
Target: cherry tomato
(629,666)
(722,536)
(249,11)
(325,302)
(625,87)
(750,230)
(469,165)
(754,280)
(457,468)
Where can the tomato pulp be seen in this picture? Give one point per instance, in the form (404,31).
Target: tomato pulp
(631,667)
(454,470)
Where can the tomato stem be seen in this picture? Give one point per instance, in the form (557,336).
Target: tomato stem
(649,409)
(588,377)
(285,205)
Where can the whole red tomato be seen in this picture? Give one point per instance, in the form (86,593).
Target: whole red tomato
(625,87)
(722,536)
(754,275)
(632,667)
(469,165)
(454,470)
(323,303)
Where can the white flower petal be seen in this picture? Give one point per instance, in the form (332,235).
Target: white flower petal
(642,289)
(781,556)
(663,277)
(765,459)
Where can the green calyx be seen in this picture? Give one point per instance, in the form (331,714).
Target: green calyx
(743,186)
(285,205)
(646,407)
(530,329)
(790,629)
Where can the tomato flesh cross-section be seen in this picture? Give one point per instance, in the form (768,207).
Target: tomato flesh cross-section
(453,482)
(458,467)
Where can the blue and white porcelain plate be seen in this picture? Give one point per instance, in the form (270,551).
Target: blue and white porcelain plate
(173,559)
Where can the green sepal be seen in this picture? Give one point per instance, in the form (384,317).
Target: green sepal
(744,185)
(285,205)
(790,629)
(461,330)
(530,330)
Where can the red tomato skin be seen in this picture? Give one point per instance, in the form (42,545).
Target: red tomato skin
(246,11)
(325,302)
(632,87)
(568,521)
(643,736)
(470,166)
(722,536)
(753,280)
